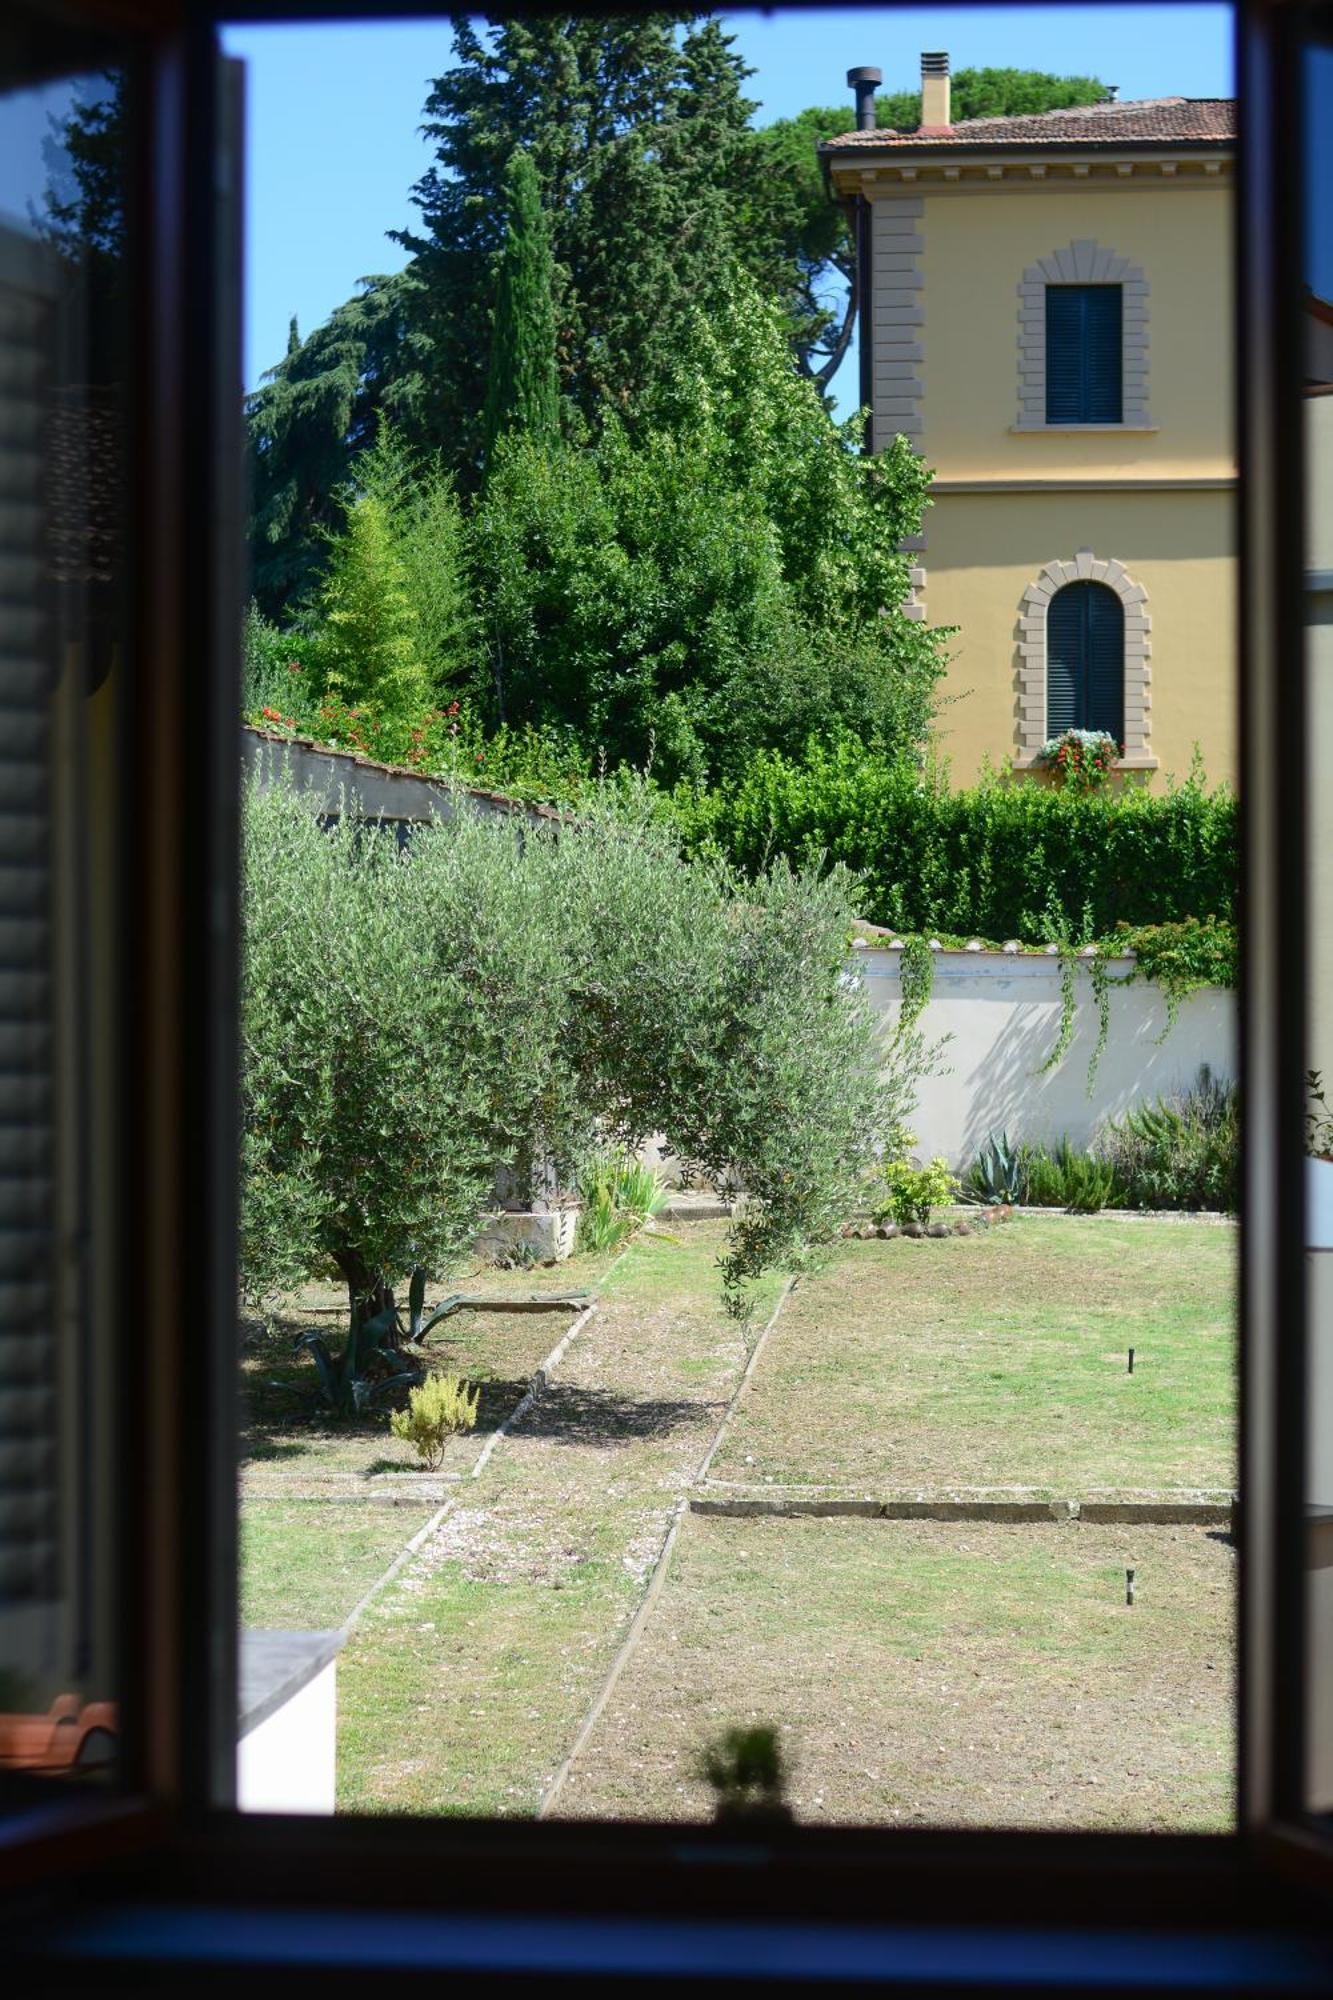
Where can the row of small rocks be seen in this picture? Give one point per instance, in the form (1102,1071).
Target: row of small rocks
(962,1225)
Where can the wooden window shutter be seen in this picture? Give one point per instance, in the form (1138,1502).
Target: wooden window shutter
(1085,661)
(1084,374)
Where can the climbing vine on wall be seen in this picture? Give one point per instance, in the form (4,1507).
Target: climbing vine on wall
(1180,958)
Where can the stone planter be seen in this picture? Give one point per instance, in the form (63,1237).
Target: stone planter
(545,1234)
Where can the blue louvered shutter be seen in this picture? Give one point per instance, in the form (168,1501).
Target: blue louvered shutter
(1083,354)
(1085,661)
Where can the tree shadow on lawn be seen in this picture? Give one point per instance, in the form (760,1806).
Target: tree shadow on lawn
(570,1415)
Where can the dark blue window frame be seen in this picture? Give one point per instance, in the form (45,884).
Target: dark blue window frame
(1084,354)
(1085,661)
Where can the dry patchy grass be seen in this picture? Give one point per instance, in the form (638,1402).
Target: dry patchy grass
(464,1686)
(930,1674)
(1000,1360)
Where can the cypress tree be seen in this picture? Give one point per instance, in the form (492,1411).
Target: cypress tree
(522,388)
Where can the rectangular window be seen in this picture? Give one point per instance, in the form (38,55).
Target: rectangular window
(1083,347)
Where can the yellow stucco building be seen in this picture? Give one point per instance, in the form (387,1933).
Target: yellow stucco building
(1046,313)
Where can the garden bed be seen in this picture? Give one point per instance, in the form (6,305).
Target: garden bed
(922,1674)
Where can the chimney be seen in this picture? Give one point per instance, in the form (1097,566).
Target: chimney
(865,82)
(935,107)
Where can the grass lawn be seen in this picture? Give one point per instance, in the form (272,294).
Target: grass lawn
(464,1686)
(1001,1360)
(928,1674)
(922,1672)
(305,1563)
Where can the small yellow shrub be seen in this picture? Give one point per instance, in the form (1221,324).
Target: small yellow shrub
(435,1412)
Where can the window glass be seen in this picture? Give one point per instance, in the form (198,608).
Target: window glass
(556,1499)
(63,528)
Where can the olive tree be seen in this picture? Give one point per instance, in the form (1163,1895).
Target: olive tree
(504,995)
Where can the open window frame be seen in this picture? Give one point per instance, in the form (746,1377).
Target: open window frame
(171,1837)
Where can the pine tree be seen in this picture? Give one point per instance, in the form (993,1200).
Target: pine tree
(368,649)
(310,418)
(522,392)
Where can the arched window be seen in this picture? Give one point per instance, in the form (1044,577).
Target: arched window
(1085,660)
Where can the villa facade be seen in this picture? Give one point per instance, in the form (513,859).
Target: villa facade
(1046,308)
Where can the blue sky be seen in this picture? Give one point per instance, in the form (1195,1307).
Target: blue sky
(333,145)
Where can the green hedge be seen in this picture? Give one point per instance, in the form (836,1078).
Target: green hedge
(1003,860)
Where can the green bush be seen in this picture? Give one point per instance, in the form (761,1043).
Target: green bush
(1181,1152)
(1070,1178)
(619,1195)
(437,1410)
(992,861)
(912,1193)
(723,572)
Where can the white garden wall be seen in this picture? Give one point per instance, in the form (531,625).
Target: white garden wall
(1001,1015)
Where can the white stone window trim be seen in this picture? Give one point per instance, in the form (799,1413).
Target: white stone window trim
(1084,262)
(1085,568)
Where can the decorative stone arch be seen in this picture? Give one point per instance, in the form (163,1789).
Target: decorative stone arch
(1083,263)
(1085,568)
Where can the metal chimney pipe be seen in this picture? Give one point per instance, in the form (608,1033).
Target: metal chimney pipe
(865,82)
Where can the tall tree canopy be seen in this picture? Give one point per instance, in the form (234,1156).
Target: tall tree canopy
(654,187)
(638,136)
(523,390)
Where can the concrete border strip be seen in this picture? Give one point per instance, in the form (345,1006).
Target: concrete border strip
(658,1577)
(540,1376)
(398,1564)
(628,1646)
(1141,1513)
(740,1388)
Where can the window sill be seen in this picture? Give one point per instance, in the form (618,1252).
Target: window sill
(1133,431)
(1028,761)
(1043,430)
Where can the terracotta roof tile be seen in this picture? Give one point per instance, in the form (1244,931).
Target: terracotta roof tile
(1152,121)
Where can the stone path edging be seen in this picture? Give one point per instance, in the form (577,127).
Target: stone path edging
(627,1648)
(740,1388)
(659,1574)
(399,1563)
(1143,1513)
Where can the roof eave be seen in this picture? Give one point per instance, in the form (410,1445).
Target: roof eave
(963,149)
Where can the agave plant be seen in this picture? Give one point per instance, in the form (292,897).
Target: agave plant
(998,1174)
(347,1381)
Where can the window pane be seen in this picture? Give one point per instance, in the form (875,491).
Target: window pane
(63,513)
(955,1528)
